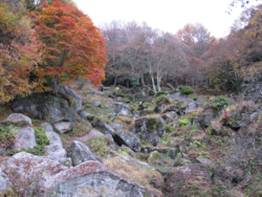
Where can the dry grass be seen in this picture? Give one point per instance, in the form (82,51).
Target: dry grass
(134,171)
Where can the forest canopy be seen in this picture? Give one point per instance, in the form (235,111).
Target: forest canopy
(142,56)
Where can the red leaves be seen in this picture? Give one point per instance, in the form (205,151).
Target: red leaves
(20,50)
(74,46)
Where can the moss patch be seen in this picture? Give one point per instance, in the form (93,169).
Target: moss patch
(7,136)
(184,121)
(136,172)
(186,90)
(103,112)
(41,140)
(99,145)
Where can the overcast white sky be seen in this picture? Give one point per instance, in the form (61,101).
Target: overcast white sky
(166,15)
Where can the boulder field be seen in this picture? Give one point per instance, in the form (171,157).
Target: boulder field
(85,142)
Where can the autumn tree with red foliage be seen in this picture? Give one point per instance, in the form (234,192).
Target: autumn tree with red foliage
(20,50)
(74,47)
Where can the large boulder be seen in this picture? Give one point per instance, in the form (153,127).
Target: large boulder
(26,171)
(80,153)
(54,150)
(150,128)
(33,175)
(45,106)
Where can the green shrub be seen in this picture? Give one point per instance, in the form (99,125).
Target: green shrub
(169,128)
(162,100)
(161,93)
(99,146)
(7,136)
(184,122)
(41,141)
(186,90)
(220,102)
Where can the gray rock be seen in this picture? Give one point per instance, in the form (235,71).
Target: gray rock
(204,161)
(18,119)
(168,151)
(191,107)
(46,106)
(54,150)
(102,126)
(86,115)
(252,89)
(5,185)
(170,116)
(32,175)
(92,134)
(25,172)
(25,138)
(121,109)
(206,117)
(96,103)
(150,128)
(63,127)
(80,153)
(127,138)
(72,96)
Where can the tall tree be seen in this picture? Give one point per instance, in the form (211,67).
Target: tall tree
(74,47)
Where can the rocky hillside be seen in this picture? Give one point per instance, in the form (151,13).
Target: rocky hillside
(82,141)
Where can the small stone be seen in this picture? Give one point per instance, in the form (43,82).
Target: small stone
(63,127)
(96,103)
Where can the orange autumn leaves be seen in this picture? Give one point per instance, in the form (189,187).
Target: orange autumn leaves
(57,42)
(20,50)
(73,45)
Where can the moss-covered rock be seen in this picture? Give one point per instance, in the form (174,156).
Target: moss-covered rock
(100,146)
(161,161)
(136,171)
(150,128)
